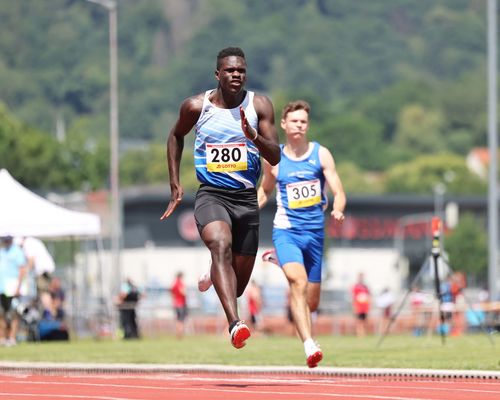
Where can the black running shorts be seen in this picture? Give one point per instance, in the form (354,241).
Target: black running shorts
(181,313)
(237,207)
(6,309)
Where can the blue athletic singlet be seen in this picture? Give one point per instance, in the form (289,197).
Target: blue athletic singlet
(300,187)
(223,156)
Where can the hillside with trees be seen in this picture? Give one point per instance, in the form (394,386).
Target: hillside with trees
(397,87)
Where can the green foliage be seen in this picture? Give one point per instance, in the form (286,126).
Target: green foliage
(27,153)
(356,181)
(420,130)
(385,105)
(422,174)
(387,82)
(344,130)
(149,166)
(40,162)
(467,247)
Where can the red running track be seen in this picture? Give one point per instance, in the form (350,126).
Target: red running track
(216,386)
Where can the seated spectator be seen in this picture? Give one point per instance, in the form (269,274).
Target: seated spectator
(475,318)
(52,325)
(58,296)
(51,328)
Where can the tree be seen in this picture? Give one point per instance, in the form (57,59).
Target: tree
(357,181)
(423,173)
(467,247)
(420,129)
(148,166)
(39,161)
(352,137)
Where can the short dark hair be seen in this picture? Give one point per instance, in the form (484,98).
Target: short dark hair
(7,239)
(295,106)
(229,51)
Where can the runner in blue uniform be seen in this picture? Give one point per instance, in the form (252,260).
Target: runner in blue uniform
(298,231)
(233,128)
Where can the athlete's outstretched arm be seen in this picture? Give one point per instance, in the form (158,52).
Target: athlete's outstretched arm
(266,138)
(335,184)
(267,184)
(188,115)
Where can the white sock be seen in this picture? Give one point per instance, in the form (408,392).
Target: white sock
(314,316)
(309,346)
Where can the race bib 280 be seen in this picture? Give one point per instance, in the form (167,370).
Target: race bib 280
(226,157)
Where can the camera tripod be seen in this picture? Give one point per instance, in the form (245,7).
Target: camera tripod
(433,261)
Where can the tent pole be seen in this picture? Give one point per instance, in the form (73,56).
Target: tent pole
(103,302)
(74,307)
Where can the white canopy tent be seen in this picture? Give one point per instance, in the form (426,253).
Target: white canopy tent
(24,213)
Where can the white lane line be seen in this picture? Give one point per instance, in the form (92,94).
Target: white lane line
(68,396)
(189,377)
(314,382)
(263,392)
(272,394)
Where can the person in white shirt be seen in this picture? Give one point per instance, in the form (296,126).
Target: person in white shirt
(39,262)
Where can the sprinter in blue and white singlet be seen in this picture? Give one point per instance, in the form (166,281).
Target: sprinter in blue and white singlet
(298,232)
(233,129)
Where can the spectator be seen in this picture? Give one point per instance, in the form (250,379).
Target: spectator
(58,296)
(179,302)
(418,314)
(361,302)
(458,283)
(483,296)
(476,317)
(254,299)
(447,305)
(39,262)
(52,325)
(127,303)
(385,301)
(12,272)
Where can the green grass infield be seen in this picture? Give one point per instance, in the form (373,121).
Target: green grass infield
(468,352)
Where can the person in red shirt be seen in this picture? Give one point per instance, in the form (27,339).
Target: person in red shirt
(254,298)
(179,302)
(361,301)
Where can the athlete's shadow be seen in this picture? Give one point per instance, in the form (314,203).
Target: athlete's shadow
(247,385)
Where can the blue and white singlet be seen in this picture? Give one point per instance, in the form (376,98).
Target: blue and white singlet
(223,156)
(300,188)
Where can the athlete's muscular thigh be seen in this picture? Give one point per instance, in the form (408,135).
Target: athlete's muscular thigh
(245,229)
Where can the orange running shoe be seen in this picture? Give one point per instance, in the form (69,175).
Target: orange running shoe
(239,334)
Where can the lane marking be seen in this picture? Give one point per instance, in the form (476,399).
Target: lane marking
(69,396)
(267,392)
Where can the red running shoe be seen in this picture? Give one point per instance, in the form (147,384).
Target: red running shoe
(239,334)
(314,356)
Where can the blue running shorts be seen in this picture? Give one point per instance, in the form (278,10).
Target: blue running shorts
(301,246)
